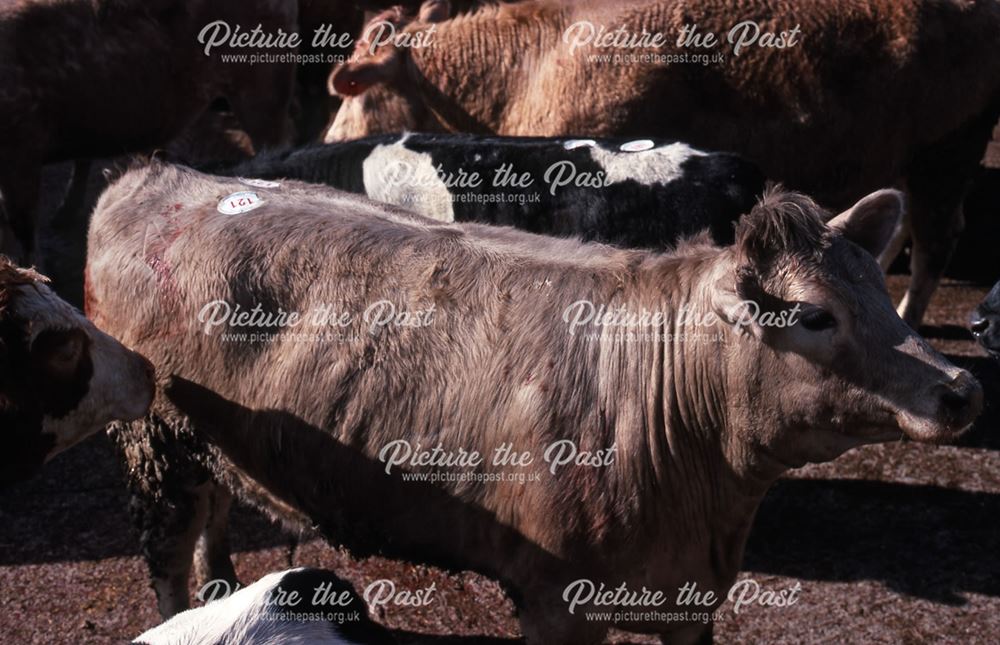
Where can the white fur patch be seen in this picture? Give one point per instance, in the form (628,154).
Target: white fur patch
(648,166)
(397,175)
(243,617)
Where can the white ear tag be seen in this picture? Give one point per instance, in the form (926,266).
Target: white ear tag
(240,202)
(636,146)
(258,183)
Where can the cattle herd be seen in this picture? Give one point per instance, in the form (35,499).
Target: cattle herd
(556,293)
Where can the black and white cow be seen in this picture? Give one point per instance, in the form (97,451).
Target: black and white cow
(633,193)
(61,378)
(294,607)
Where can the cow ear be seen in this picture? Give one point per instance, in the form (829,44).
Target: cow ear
(737,303)
(353,78)
(873,221)
(435,11)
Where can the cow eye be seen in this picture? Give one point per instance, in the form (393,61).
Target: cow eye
(818,320)
(59,352)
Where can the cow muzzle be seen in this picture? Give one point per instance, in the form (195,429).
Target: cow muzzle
(954,404)
(985,327)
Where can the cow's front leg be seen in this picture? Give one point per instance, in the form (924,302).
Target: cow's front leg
(212,558)
(169,505)
(895,247)
(169,535)
(936,222)
(936,180)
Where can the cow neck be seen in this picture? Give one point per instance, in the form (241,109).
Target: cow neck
(695,460)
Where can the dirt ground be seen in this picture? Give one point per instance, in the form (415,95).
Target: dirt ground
(891,544)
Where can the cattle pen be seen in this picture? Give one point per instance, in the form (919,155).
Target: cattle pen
(487,322)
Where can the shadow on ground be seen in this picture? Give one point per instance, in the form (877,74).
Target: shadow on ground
(922,541)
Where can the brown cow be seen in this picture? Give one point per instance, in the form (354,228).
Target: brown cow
(61,379)
(86,78)
(463,339)
(858,95)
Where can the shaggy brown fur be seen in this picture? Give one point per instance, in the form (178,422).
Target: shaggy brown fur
(702,424)
(874,92)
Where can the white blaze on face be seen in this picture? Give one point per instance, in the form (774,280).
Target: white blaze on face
(120,387)
(397,175)
(347,124)
(642,162)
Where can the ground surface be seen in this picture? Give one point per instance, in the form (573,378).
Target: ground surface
(891,544)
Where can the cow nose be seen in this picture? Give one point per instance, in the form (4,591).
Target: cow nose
(979,326)
(962,400)
(148,366)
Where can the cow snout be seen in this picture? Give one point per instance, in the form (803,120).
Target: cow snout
(985,328)
(960,401)
(146,377)
(979,326)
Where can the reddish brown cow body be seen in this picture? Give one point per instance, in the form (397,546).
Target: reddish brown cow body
(700,412)
(83,79)
(871,92)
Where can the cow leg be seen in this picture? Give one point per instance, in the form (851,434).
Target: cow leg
(936,222)
(169,550)
(170,497)
(935,230)
(212,555)
(899,237)
(936,180)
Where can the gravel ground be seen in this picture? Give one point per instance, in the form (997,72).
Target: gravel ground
(891,544)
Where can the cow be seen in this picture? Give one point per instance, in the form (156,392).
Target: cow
(829,98)
(356,368)
(300,606)
(86,79)
(638,193)
(61,378)
(380,110)
(984,323)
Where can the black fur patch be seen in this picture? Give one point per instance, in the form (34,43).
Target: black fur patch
(48,379)
(713,191)
(306,582)
(61,369)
